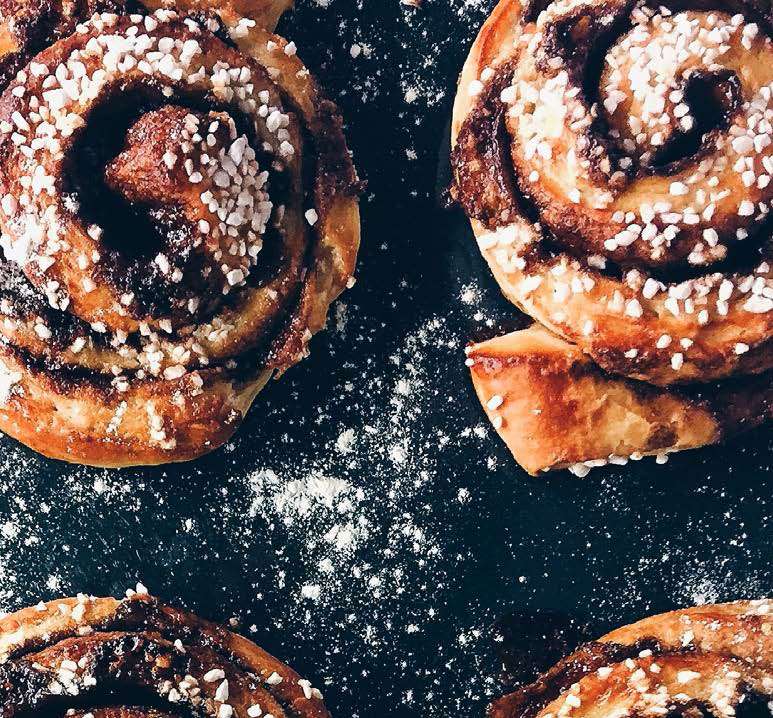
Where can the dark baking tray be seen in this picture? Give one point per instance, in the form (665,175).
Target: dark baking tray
(435,557)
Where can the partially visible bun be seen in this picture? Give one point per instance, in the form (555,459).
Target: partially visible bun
(707,660)
(117,658)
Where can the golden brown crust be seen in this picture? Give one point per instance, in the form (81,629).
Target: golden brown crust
(240,176)
(98,647)
(77,419)
(714,657)
(555,408)
(625,306)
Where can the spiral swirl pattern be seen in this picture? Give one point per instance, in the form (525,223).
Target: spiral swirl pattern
(626,219)
(137,658)
(713,660)
(615,159)
(177,214)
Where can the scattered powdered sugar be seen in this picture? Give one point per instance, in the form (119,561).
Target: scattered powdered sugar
(357,536)
(421,83)
(327,511)
(298,499)
(366,524)
(471,294)
(704,583)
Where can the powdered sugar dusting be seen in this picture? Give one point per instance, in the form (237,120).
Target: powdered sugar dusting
(366,525)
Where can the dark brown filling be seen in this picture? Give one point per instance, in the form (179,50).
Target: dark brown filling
(487,187)
(484,180)
(131,656)
(128,670)
(528,701)
(750,705)
(112,179)
(124,677)
(713,98)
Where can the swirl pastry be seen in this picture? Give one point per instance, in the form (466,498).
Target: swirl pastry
(137,657)
(615,160)
(714,660)
(178,211)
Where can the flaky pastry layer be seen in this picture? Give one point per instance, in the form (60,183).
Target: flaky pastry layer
(555,408)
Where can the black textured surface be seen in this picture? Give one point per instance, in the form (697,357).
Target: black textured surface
(437,558)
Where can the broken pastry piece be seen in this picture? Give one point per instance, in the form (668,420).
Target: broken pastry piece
(555,408)
(134,657)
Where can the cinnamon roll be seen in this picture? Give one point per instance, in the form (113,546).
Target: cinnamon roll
(178,210)
(137,657)
(615,160)
(714,660)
